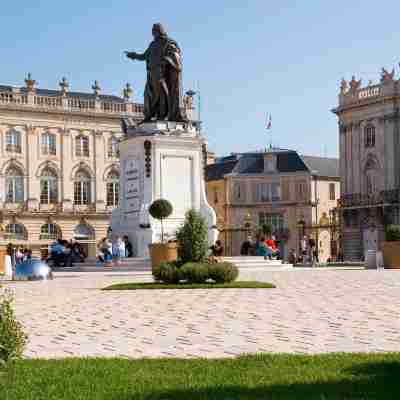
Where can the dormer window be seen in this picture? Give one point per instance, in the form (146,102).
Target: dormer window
(270,163)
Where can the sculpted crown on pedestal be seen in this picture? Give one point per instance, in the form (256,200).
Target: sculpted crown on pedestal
(354,84)
(386,75)
(30,83)
(64,85)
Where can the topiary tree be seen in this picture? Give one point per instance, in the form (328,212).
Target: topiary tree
(392,233)
(192,238)
(266,229)
(161,209)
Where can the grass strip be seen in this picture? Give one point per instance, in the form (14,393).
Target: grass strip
(266,376)
(158,286)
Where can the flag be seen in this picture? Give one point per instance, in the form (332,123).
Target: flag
(269,122)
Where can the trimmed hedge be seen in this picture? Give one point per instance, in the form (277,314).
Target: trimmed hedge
(168,273)
(223,272)
(195,272)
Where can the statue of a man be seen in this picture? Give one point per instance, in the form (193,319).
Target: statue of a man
(162,95)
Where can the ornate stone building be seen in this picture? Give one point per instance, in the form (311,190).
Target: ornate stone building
(294,194)
(59,167)
(368,119)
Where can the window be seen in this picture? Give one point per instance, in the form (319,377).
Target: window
(16,231)
(50,231)
(113,147)
(369,136)
(266,192)
(13,141)
(215,196)
(82,188)
(332,194)
(49,144)
(14,185)
(82,146)
(273,220)
(48,187)
(83,232)
(112,188)
(301,191)
(237,191)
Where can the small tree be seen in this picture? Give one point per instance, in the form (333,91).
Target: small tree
(161,209)
(12,337)
(192,238)
(266,229)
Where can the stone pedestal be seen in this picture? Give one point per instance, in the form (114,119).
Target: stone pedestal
(160,160)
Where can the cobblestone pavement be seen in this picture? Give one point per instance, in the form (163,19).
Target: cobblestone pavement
(309,312)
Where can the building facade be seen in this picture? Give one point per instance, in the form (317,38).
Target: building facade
(295,195)
(368,119)
(59,164)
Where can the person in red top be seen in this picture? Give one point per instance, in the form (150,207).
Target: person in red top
(271,244)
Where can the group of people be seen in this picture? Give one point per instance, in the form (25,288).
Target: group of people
(262,247)
(18,254)
(64,253)
(118,248)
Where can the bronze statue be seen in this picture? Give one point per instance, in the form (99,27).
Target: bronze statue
(162,95)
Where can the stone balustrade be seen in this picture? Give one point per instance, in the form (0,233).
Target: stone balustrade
(68,103)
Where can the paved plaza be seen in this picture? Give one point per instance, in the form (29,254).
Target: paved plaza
(310,311)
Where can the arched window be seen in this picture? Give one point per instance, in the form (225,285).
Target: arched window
(369,136)
(49,144)
(113,147)
(13,141)
(82,146)
(16,231)
(83,232)
(82,188)
(50,232)
(14,185)
(48,186)
(112,188)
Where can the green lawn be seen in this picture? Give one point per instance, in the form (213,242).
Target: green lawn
(336,376)
(153,285)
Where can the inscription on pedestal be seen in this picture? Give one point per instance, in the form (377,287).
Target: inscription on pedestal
(132,186)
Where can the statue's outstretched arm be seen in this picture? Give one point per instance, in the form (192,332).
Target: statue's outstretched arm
(135,56)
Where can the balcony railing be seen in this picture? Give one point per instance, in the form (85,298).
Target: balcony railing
(372,199)
(70,103)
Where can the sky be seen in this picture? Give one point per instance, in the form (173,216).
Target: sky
(249,58)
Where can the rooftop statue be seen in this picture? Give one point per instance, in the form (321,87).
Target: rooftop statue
(162,95)
(386,75)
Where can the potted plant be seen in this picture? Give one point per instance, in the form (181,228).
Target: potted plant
(391,247)
(161,252)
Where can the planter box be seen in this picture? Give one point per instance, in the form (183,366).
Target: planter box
(391,254)
(162,252)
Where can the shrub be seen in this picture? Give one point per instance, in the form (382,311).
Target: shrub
(168,272)
(195,272)
(266,229)
(12,337)
(392,233)
(161,209)
(193,238)
(223,272)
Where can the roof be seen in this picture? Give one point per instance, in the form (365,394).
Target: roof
(57,93)
(287,161)
(322,166)
(217,171)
